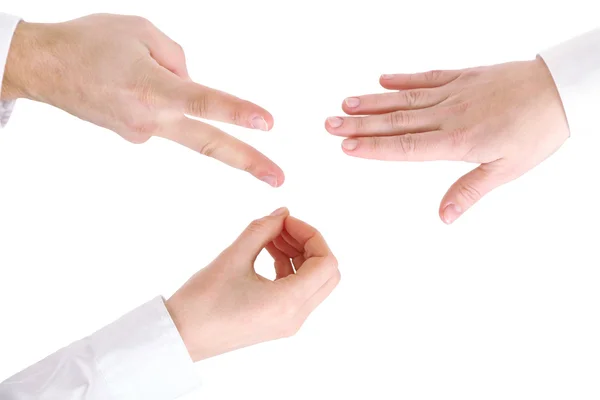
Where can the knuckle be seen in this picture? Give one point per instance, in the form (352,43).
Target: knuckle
(290,329)
(208,148)
(405,144)
(249,167)
(235,116)
(433,75)
(143,23)
(413,98)
(471,73)
(144,128)
(140,138)
(399,119)
(179,52)
(458,137)
(136,137)
(337,277)
(376,144)
(144,92)
(140,129)
(256,226)
(333,261)
(359,124)
(459,108)
(469,192)
(198,106)
(179,48)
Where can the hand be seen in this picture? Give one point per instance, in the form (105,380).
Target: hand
(506,117)
(227,305)
(122,73)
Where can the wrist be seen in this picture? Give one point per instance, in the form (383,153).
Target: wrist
(175,313)
(27,63)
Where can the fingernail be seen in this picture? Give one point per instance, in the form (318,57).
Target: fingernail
(259,123)
(270,179)
(335,122)
(451,213)
(279,211)
(387,76)
(350,144)
(352,102)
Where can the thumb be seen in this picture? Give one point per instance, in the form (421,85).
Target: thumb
(468,190)
(259,233)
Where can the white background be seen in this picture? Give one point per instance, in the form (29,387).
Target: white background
(504,304)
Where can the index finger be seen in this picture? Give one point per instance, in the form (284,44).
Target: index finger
(429,79)
(204,102)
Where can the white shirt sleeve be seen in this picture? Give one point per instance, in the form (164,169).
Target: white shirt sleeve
(575,68)
(140,356)
(8,24)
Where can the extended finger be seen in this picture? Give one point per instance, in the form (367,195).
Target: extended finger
(393,123)
(393,101)
(470,188)
(425,146)
(429,79)
(212,142)
(204,102)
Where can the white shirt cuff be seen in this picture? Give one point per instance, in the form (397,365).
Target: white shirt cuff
(8,24)
(575,68)
(142,355)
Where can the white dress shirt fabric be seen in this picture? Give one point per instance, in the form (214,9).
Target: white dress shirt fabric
(140,356)
(575,68)
(8,24)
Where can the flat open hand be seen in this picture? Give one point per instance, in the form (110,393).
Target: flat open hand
(506,117)
(122,73)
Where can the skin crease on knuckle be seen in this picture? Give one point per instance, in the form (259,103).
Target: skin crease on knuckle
(469,192)
(235,115)
(250,167)
(257,226)
(459,138)
(434,75)
(414,97)
(198,106)
(208,149)
(399,119)
(404,144)
(144,90)
(458,108)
